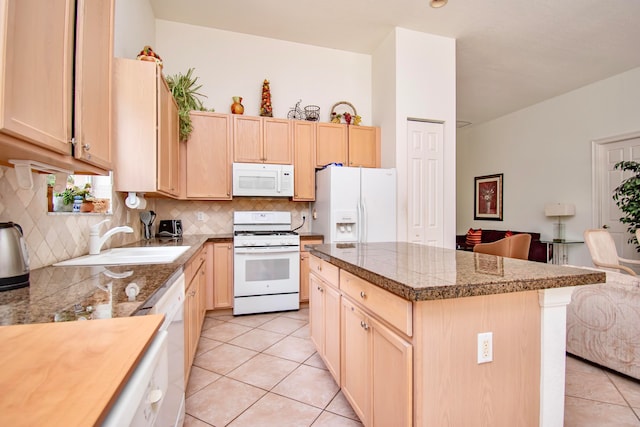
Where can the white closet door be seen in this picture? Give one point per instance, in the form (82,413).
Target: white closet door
(425,150)
(607,179)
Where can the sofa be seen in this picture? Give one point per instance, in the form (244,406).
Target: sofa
(603,323)
(537,249)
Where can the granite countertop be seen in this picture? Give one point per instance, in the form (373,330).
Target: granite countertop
(420,273)
(72,293)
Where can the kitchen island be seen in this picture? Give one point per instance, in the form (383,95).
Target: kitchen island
(434,337)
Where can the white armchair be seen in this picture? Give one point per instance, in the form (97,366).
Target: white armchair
(604,253)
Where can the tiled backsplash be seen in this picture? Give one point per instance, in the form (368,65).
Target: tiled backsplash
(53,237)
(217,217)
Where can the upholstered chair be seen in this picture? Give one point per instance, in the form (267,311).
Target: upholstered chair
(604,253)
(516,246)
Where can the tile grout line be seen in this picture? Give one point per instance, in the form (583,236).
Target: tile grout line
(322,410)
(608,375)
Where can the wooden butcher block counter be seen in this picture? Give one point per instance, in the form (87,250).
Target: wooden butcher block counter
(69,373)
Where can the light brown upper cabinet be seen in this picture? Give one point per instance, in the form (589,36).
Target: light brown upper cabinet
(331,144)
(304,150)
(146,133)
(207,157)
(364,146)
(262,140)
(46,104)
(350,145)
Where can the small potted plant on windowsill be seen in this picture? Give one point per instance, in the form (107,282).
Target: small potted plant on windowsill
(63,202)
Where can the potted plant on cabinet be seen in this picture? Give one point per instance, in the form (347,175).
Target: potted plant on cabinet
(185,92)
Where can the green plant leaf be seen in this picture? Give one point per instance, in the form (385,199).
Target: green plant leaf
(184,89)
(627,198)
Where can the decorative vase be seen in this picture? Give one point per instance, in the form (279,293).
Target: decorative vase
(59,206)
(77,203)
(236,107)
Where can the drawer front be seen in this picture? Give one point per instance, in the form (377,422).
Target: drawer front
(330,273)
(193,265)
(389,307)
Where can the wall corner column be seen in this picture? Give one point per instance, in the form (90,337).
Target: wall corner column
(553,344)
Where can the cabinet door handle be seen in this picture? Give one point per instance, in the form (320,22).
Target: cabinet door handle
(364,325)
(362,294)
(86,147)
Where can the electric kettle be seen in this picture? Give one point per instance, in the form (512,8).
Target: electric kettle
(14,258)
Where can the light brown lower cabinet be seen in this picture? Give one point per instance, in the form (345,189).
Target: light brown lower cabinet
(376,369)
(222,275)
(304,268)
(324,317)
(368,358)
(407,363)
(194,306)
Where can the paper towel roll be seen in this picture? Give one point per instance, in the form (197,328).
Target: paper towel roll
(135,202)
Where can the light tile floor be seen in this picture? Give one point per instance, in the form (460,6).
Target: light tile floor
(262,370)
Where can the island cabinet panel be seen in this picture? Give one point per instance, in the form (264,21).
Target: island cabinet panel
(324,314)
(326,271)
(389,307)
(391,377)
(355,360)
(505,391)
(304,268)
(207,157)
(377,369)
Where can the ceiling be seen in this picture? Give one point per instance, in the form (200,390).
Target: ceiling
(510,53)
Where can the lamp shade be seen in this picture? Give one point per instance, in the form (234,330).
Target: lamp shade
(559,209)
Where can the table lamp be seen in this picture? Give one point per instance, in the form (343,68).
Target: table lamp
(559,210)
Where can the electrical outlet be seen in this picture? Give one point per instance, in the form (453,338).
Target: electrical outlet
(485,347)
(200,216)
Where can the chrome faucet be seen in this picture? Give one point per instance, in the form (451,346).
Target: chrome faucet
(96,242)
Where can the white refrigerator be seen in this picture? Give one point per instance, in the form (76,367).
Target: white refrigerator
(355,205)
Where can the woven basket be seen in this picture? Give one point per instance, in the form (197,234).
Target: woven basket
(335,113)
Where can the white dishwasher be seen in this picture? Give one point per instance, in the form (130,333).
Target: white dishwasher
(154,395)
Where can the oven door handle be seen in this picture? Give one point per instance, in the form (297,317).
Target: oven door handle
(269,250)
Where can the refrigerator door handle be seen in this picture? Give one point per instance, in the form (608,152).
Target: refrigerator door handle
(364,221)
(359,222)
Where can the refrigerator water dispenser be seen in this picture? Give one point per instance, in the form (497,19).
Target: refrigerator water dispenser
(346,226)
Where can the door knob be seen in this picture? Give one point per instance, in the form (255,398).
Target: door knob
(605,226)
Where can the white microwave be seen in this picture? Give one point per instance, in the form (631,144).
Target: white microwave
(258,179)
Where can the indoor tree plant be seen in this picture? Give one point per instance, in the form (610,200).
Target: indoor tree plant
(627,198)
(185,92)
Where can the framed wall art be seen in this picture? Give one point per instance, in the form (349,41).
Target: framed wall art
(487,197)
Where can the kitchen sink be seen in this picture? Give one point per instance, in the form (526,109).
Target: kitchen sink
(133,255)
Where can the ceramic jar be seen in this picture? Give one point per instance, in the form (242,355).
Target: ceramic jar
(237,107)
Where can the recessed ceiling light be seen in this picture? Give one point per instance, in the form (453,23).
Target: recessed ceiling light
(438,3)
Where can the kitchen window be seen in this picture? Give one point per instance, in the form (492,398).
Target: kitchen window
(87,194)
